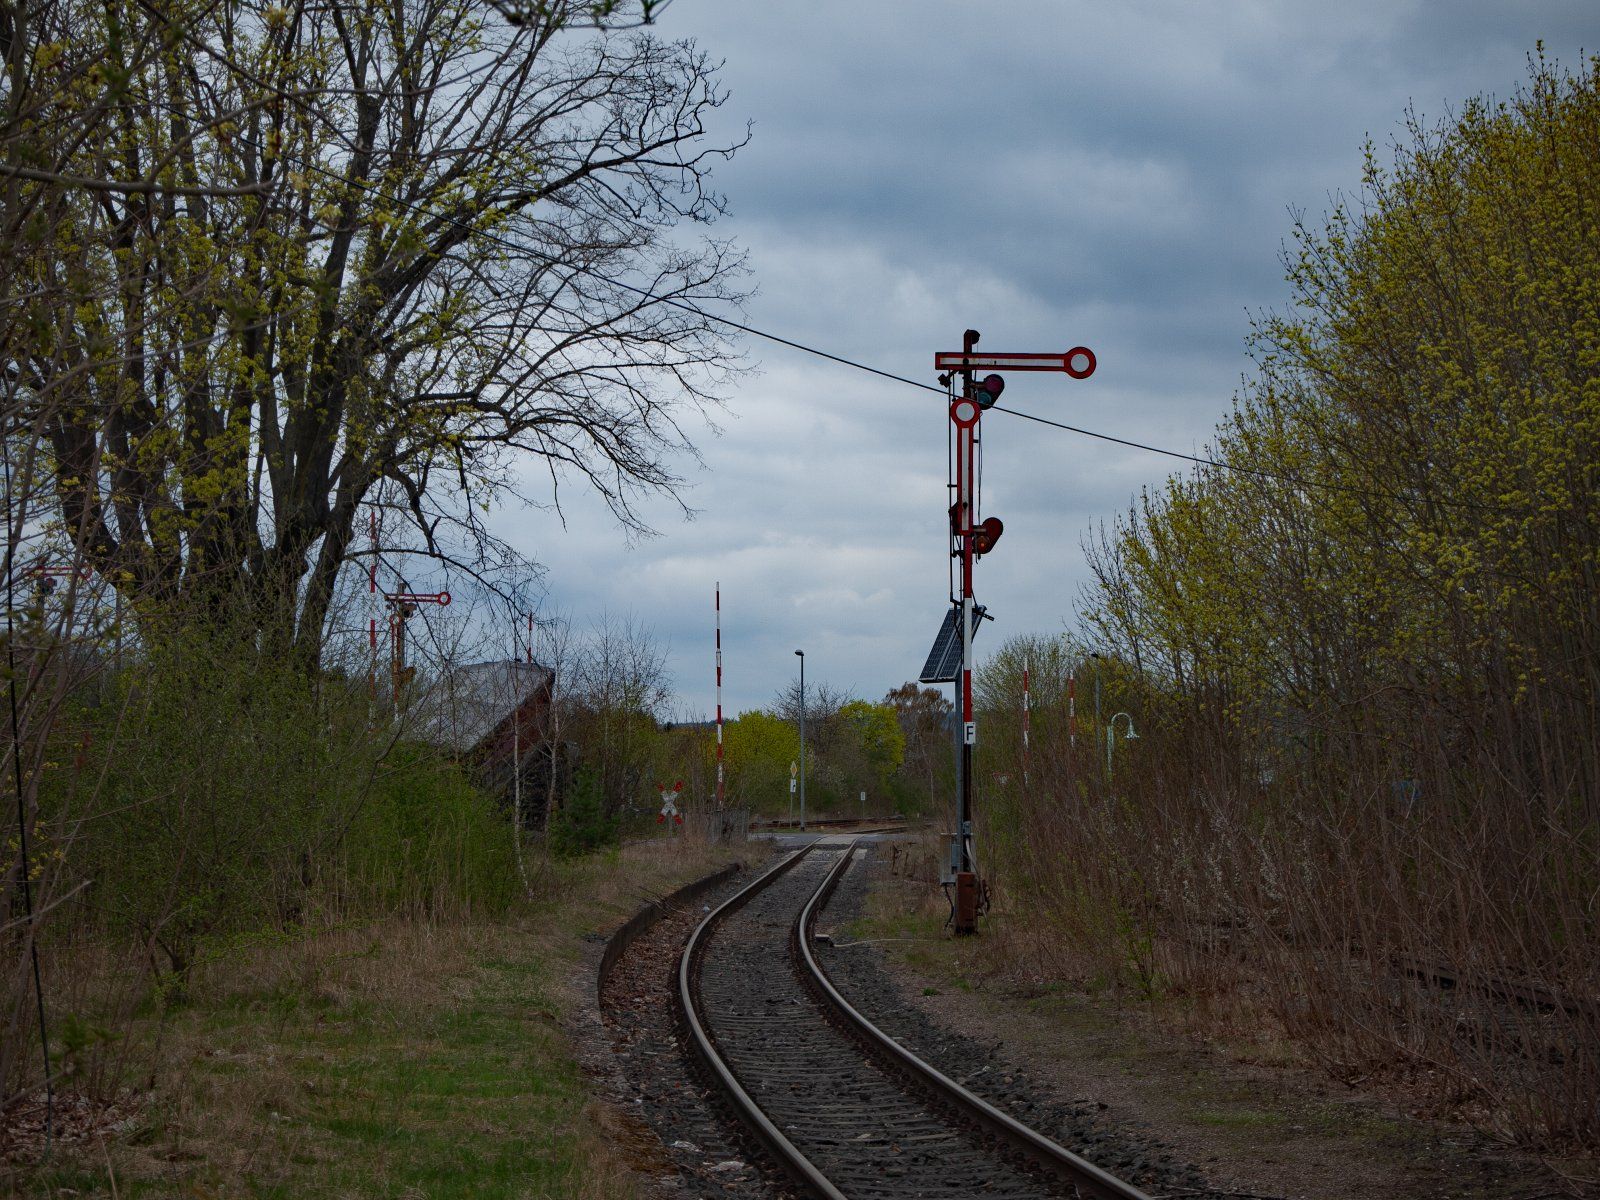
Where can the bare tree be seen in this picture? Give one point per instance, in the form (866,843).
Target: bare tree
(444,244)
(925,716)
(823,702)
(592,14)
(620,689)
(553,647)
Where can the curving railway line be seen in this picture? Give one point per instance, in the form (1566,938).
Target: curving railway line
(845,1110)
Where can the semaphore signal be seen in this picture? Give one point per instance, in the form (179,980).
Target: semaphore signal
(1079,362)
(970,539)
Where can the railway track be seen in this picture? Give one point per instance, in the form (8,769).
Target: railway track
(838,824)
(847,1112)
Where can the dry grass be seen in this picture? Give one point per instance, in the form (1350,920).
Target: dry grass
(395,1058)
(1031,956)
(1214,1070)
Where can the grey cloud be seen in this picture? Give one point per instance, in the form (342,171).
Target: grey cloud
(1053,173)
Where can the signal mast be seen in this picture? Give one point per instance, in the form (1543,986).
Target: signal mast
(970,539)
(401,606)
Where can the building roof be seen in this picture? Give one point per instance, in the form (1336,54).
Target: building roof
(468,703)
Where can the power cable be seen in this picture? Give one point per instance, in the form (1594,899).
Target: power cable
(422,210)
(1194,458)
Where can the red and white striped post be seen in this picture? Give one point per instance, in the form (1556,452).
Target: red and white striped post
(718,599)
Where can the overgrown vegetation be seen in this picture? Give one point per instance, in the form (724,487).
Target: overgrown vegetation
(272,278)
(375,1058)
(1363,654)
(895,752)
(205,799)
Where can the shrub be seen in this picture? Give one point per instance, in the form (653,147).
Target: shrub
(582,826)
(427,843)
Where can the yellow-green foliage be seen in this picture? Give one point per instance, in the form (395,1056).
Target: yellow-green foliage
(758,748)
(1414,465)
(1366,649)
(875,731)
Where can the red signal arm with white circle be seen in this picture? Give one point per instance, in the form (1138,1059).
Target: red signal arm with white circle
(1079,362)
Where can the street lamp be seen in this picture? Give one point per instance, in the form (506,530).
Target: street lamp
(802,655)
(1111,737)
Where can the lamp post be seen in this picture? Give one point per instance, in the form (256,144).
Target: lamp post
(802,655)
(1111,737)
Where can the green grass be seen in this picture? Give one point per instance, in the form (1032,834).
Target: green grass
(467,1090)
(396,1060)
(1238,1118)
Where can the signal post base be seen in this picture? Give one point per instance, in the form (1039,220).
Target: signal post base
(966,921)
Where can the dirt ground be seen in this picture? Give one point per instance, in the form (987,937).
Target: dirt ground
(1257,1126)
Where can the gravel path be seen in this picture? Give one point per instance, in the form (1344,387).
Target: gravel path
(859,972)
(712,1154)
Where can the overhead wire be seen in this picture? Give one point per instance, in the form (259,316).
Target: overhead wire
(420,209)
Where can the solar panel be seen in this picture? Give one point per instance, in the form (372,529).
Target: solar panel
(944,660)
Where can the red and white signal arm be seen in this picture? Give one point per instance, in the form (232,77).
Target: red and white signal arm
(442,599)
(1078,362)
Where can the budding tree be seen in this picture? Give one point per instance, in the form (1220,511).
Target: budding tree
(408,246)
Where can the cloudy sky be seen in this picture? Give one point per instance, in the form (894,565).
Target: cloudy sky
(1052,174)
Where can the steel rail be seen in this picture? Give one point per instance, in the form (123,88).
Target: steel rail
(1087,1178)
(786,1152)
(834,822)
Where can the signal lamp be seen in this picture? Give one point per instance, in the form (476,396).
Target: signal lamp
(986,535)
(989,389)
